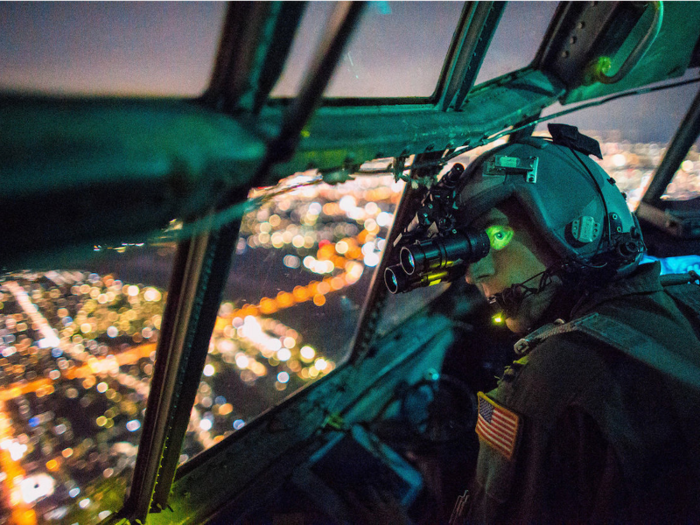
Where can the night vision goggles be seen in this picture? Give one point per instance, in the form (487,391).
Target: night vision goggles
(432,249)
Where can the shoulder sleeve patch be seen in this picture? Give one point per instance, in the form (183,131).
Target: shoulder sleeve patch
(497,426)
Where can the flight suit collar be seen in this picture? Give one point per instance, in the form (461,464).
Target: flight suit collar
(644,280)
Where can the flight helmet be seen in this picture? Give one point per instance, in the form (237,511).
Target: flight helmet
(574,204)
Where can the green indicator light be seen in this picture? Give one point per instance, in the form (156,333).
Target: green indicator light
(499,236)
(497,319)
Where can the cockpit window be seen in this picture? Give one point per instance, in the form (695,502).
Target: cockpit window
(518,36)
(109,48)
(299,279)
(77,348)
(685,184)
(632,149)
(413,38)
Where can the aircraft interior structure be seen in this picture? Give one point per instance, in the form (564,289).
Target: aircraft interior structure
(194,319)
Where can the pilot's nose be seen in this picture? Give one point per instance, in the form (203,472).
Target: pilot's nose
(481,270)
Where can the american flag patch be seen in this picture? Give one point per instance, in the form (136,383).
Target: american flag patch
(497,426)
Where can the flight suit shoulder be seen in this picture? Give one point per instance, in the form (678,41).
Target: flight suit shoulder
(562,370)
(517,418)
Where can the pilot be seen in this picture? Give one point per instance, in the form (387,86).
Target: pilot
(598,419)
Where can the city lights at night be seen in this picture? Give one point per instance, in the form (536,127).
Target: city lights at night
(78,348)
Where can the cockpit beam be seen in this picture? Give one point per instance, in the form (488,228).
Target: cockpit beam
(140,162)
(476,27)
(397,130)
(242,81)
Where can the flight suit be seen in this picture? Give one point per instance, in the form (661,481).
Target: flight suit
(597,436)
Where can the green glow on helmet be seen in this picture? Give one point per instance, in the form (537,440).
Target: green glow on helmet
(499,236)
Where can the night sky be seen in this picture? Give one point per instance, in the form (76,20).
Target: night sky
(168,48)
(146,48)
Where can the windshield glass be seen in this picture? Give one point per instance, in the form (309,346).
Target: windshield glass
(77,350)
(300,276)
(686,182)
(413,38)
(109,48)
(518,36)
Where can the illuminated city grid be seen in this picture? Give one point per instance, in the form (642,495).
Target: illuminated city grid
(78,348)
(325,242)
(77,354)
(633,165)
(78,351)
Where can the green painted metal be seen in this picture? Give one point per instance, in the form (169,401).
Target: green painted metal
(668,57)
(81,172)
(339,136)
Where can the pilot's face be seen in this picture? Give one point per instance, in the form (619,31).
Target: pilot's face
(520,258)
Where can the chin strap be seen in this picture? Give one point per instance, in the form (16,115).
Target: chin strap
(578,276)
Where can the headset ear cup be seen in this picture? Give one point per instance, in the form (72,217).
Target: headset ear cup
(630,249)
